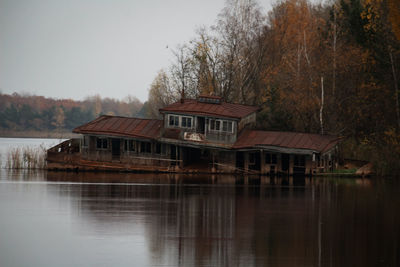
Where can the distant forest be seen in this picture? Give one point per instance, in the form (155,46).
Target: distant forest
(331,68)
(29,113)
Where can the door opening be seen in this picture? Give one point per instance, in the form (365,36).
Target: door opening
(116,148)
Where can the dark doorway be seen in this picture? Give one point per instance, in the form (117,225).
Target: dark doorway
(285,162)
(254,161)
(299,165)
(173,155)
(198,159)
(240,160)
(116,148)
(301,171)
(201,125)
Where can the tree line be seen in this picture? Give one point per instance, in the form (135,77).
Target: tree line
(329,68)
(37,113)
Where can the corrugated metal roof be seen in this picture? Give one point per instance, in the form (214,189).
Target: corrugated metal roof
(151,129)
(315,142)
(122,126)
(229,110)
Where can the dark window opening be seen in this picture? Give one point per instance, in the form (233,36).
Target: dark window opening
(115,147)
(224,126)
(102,143)
(212,124)
(173,120)
(201,124)
(252,158)
(240,160)
(221,125)
(270,158)
(217,125)
(299,160)
(145,147)
(274,159)
(186,122)
(160,148)
(285,158)
(129,145)
(254,161)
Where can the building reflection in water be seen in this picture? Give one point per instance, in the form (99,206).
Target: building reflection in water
(245,221)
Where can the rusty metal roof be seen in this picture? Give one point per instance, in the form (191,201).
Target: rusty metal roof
(315,142)
(122,126)
(223,109)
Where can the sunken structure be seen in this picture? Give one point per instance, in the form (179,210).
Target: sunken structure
(205,135)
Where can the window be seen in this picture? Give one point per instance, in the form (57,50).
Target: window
(85,141)
(173,120)
(230,127)
(207,99)
(212,124)
(102,143)
(299,160)
(274,159)
(225,126)
(160,148)
(129,145)
(270,158)
(252,158)
(145,147)
(217,125)
(186,122)
(221,125)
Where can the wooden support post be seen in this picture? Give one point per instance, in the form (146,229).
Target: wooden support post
(246,161)
(291,164)
(262,162)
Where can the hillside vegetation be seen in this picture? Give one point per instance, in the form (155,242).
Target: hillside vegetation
(37,116)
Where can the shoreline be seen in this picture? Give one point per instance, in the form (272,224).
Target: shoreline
(38,134)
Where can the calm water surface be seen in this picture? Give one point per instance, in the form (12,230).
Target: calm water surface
(68,219)
(105,219)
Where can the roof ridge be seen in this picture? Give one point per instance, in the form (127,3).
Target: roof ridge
(127,117)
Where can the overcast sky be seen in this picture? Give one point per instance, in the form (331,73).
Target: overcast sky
(76,48)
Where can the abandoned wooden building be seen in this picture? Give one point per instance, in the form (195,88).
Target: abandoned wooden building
(195,135)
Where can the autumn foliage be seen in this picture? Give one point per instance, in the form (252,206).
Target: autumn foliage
(37,113)
(320,68)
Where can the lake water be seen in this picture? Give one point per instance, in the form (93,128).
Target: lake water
(106,219)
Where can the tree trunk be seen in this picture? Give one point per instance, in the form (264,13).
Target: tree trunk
(396,88)
(334,53)
(322,106)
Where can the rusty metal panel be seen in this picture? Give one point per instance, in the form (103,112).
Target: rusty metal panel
(132,125)
(316,142)
(125,124)
(121,126)
(223,109)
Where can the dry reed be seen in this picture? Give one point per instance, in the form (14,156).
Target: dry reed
(26,158)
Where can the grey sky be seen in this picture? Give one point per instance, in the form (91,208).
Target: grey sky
(76,48)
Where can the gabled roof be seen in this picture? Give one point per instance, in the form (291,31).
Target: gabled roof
(122,126)
(315,142)
(223,109)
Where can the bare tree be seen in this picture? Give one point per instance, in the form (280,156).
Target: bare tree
(161,94)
